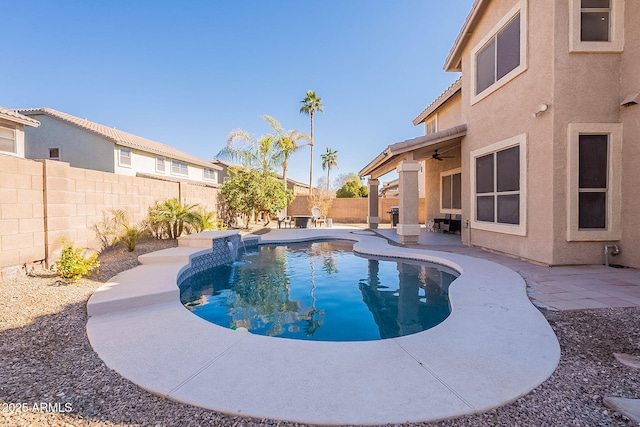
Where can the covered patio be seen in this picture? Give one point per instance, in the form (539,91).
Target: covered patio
(405,158)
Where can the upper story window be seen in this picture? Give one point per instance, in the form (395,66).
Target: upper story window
(54,153)
(595,18)
(179,168)
(596,25)
(8,139)
(431,126)
(501,55)
(160,166)
(210,175)
(125,157)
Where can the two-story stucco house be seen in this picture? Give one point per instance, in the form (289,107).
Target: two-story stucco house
(12,125)
(89,145)
(537,143)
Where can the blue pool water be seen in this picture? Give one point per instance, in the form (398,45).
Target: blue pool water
(320,291)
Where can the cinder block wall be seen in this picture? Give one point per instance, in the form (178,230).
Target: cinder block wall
(22,233)
(354,210)
(43,201)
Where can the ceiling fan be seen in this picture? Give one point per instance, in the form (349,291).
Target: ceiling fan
(438,156)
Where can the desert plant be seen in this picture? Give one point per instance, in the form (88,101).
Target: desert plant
(73,265)
(207,220)
(110,228)
(171,218)
(131,235)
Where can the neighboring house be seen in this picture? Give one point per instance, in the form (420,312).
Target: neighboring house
(298,188)
(543,130)
(89,145)
(12,125)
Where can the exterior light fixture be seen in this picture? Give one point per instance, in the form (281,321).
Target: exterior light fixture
(541,109)
(631,99)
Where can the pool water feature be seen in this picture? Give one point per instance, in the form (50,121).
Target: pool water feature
(320,291)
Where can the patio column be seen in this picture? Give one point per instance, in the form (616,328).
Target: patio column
(408,225)
(373,219)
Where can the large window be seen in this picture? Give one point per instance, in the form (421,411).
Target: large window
(597,25)
(179,168)
(594,192)
(501,55)
(451,191)
(499,186)
(7,139)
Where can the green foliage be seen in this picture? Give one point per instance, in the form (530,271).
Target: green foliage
(72,265)
(250,191)
(171,218)
(131,234)
(352,189)
(208,220)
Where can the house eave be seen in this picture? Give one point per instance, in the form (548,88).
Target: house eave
(454,60)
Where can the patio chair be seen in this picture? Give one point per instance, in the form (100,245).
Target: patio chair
(284,219)
(316,216)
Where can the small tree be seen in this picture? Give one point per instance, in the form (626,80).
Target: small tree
(249,192)
(352,189)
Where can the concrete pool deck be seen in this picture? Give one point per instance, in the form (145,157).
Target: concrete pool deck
(493,348)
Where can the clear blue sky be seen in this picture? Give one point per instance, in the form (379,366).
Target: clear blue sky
(185,73)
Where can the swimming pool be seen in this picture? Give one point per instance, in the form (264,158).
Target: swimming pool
(320,291)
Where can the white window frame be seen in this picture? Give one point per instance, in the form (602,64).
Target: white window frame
(613,229)
(450,172)
(59,153)
(122,163)
(163,161)
(11,129)
(433,121)
(521,8)
(178,170)
(515,229)
(213,175)
(616,29)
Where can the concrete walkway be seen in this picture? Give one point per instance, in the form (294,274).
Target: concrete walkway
(560,288)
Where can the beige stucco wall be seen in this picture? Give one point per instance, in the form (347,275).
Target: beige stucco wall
(507,113)
(77,147)
(449,113)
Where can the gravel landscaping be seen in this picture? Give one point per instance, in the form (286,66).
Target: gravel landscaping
(50,376)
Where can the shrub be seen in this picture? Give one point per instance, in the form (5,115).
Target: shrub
(131,234)
(171,218)
(73,265)
(109,230)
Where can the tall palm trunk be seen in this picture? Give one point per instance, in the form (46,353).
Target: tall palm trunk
(311,161)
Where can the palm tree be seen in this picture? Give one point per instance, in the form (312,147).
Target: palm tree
(260,154)
(329,160)
(310,104)
(286,144)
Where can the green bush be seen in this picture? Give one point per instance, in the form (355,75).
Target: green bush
(72,265)
(131,234)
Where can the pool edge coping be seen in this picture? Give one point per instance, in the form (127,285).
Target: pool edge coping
(537,363)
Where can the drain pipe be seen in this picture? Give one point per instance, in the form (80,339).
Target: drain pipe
(612,250)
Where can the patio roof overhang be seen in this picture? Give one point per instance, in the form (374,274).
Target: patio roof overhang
(413,149)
